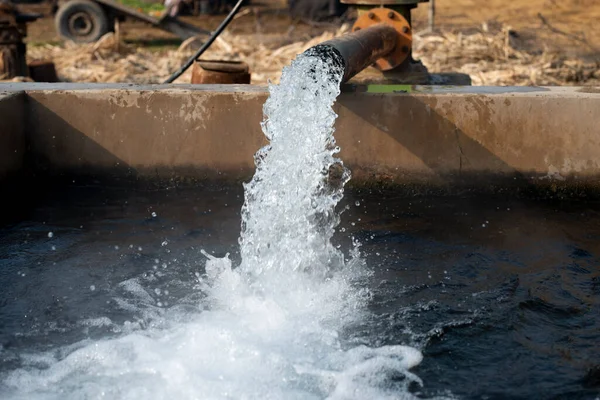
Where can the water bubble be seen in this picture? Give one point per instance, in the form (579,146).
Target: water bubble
(153,214)
(53,248)
(357,203)
(50,234)
(92,288)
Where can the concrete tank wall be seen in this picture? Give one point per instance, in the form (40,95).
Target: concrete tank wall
(431,135)
(12,133)
(147,132)
(458,135)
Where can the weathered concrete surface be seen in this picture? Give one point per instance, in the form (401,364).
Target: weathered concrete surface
(431,135)
(12,134)
(552,135)
(145,132)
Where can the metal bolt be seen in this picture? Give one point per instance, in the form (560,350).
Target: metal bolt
(405,49)
(371,15)
(405,29)
(391,15)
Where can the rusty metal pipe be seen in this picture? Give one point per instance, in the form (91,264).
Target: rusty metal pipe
(361,48)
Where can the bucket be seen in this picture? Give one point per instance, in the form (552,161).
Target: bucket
(224,72)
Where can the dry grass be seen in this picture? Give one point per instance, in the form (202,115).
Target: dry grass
(491,58)
(495,59)
(109,60)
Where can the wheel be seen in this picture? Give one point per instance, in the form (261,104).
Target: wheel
(81,21)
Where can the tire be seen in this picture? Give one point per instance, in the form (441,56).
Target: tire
(81,21)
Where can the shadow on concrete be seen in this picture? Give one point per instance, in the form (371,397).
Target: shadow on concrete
(443,147)
(58,150)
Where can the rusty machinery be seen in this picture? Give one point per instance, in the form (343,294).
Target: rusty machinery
(381,39)
(13,29)
(13,62)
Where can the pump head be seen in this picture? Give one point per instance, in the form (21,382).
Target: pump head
(395,13)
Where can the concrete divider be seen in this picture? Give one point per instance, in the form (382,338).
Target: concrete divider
(433,136)
(12,133)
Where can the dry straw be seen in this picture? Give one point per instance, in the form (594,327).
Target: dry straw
(490,58)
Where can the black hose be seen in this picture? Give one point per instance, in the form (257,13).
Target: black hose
(206,44)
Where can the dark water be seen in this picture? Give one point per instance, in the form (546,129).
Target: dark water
(501,295)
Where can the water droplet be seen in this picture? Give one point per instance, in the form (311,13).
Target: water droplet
(50,234)
(92,288)
(357,203)
(153,214)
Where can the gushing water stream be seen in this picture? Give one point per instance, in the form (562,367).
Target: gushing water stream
(271,327)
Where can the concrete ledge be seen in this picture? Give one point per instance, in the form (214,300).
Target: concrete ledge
(12,133)
(433,135)
(146,132)
(457,136)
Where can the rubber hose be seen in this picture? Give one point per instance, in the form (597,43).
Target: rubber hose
(206,44)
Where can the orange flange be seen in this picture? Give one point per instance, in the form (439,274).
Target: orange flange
(400,24)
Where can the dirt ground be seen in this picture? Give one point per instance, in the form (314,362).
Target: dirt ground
(570,26)
(567,29)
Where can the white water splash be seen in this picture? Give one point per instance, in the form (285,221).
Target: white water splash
(289,214)
(271,328)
